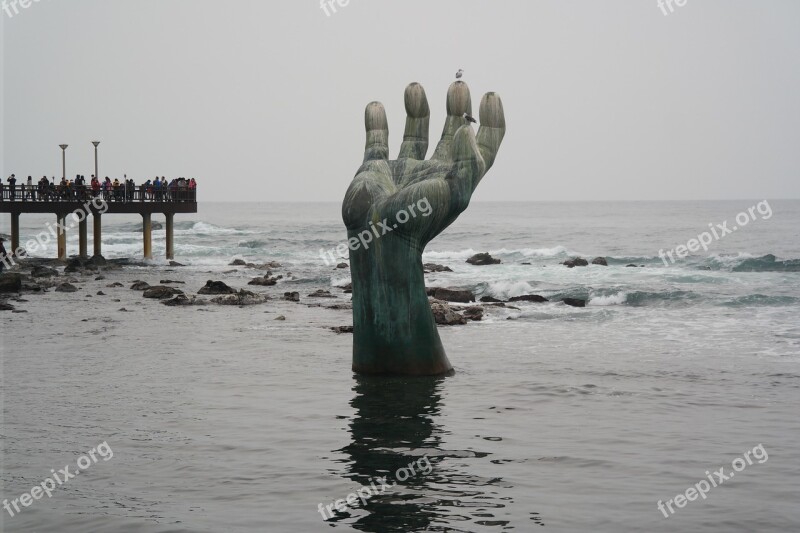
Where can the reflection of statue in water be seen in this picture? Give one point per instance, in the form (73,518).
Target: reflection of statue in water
(394,329)
(395,424)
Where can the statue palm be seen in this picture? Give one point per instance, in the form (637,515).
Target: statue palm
(394,329)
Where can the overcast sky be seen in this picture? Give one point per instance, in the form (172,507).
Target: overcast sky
(264,100)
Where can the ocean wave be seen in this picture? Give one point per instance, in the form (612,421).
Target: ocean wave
(767,263)
(761,300)
(504,290)
(556,251)
(619,298)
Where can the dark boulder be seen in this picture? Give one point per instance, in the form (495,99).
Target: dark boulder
(74,265)
(602,261)
(139,286)
(574,302)
(319,293)
(161,292)
(10,283)
(182,300)
(66,287)
(266,281)
(238,263)
(454,295)
(576,262)
(175,264)
(490,299)
(95,262)
(483,259)
(240,298)
(529,298)
(43,272)
(347,288)
(445,316)
(432,267)
(216,287)
(342,329)
(6,307)
(474,313)
(342,266)
(291,296)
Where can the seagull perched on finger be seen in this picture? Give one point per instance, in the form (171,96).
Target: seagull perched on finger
(470,118)
(459,73)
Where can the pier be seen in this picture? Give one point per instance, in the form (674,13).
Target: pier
(83,202)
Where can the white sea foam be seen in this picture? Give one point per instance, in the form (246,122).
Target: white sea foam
(611,299)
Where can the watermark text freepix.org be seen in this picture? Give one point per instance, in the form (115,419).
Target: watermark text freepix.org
(702,487)
(372,233)
(718,230)
(12,7)
(664,4)
(58,478)
(327,5)
(376,487)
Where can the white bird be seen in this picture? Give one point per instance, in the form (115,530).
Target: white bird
(459,73)
(469,118)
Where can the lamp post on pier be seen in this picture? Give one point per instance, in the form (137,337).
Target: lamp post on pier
(63,160)
(97,220)
(96,173)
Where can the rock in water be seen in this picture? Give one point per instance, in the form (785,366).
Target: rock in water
(238,262)
(602,261)
(319,293)
(266,281)
(474,313)
(490,300)
(453,295)
(139,286)
(483,259)
(445,316)
(182,300)
(216,287)
(161,292)
(291,296)
(96,261)
(10,283)
(342,329)
(574,302)
(529,298)
(66,287)
(432,267)
(43,272)
(577,262)
(242,297)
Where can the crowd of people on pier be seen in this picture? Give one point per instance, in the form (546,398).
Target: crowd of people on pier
(47,190)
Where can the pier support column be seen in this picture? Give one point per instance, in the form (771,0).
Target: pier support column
(61,230)
(14,233)
(83,231)
(97,220)
(147,231)
(170,236)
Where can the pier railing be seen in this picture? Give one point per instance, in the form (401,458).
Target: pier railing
(121,194)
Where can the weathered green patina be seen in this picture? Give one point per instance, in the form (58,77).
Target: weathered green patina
(389,224)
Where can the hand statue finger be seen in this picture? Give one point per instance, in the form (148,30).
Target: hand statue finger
(492,129)
(459,102)
(418,118)
(377,132)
